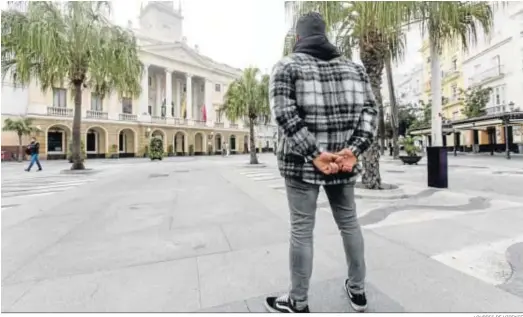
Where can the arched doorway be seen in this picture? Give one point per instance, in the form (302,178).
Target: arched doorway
(179,143)
(96,142)
(198,144)
(218,142)
(246,144)
(159,134)
(126,143)
(57,139)
(232,144)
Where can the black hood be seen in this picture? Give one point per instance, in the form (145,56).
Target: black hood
(317,46)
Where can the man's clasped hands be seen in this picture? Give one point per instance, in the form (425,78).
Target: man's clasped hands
(332,163)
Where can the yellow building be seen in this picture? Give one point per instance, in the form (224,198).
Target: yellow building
(452,81)
(178,84)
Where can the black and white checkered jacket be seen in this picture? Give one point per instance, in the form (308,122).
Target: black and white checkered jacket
(320,106)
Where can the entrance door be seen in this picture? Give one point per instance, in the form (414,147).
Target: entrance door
(91,145)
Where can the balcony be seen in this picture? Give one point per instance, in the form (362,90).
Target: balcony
(95,114)
(219,125)
(127,117)
(233,125)
(200,123)
(180,121)
(487,75)
(158,119)
(59,112)
(452,73)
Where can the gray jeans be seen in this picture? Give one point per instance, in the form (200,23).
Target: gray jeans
(302,198)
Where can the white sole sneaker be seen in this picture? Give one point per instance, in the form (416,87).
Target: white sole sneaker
(356,307)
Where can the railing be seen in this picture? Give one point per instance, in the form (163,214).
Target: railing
(219,125)
(233,125)
(199,123)
(158,119)
(487,74)
(59,112)
(127,117)
(451,73)
(95,114)
(180,121)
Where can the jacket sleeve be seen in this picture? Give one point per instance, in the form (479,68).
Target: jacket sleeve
(365,130)
(282,96)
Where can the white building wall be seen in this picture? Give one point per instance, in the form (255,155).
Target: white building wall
(497,61)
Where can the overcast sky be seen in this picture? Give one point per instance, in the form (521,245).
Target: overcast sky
(237,32)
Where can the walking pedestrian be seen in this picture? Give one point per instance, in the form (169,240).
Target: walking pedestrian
(33,149)
(324,105)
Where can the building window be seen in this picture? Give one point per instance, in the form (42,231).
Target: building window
(496,62)
(96,102)
(218,116)
(217,88)
(454,89)
(59,98)
(184,88)
(127,105)
(150,109)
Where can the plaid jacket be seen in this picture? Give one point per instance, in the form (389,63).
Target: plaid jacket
(320,106)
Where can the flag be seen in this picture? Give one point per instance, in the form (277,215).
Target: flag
(204,113)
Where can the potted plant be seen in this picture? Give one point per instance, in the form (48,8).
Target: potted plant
(70,153)
(113,151)
(170,150)
(156,149)
(412,150)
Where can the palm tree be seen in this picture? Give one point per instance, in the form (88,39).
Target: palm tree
(248,97)
(447,22)
(22,127)
(72,41)
(373,27)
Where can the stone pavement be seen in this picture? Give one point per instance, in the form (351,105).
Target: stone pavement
(208,234)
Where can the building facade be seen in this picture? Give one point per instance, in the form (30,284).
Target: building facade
(496,62)
(182,92)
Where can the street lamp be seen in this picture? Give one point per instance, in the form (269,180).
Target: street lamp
(148,132)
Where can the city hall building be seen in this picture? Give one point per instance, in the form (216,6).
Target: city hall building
(182,92)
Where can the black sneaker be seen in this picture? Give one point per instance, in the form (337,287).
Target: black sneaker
(283,304)
(357,301)
(39,170)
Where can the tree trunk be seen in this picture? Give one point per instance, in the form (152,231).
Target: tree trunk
(381,128)
(436,131)
(372,55)
(393,108)
(252,143)
(76,154)
(371,178)
(20,149)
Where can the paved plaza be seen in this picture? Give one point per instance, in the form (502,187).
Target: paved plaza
(211,234)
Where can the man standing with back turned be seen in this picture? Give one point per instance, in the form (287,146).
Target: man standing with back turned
(325,109)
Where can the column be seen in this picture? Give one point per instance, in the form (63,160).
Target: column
(208,102)
(168,91)
(189,96)
(178,99)
(159,99)
(144,97)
